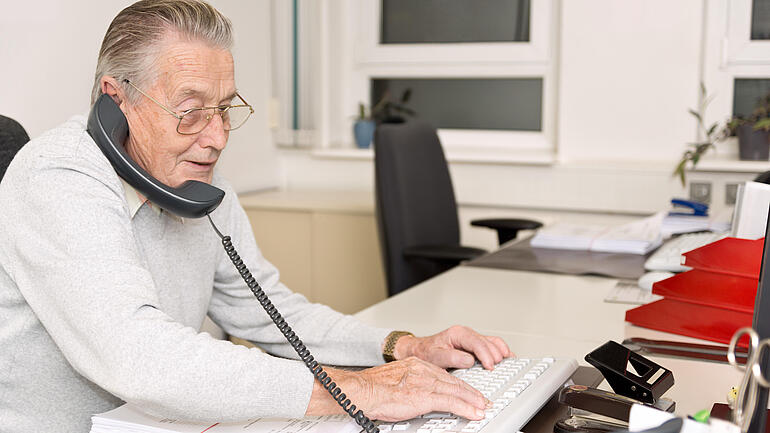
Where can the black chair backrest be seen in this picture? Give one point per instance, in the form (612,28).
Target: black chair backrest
(415,201)
(12,138)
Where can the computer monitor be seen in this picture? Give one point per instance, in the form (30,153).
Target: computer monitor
(761,324)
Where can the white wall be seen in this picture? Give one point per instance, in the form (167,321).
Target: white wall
(48,50)
(629,71)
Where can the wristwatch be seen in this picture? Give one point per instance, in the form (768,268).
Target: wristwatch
(390,344)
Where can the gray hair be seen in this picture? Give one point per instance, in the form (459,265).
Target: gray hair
(130,47)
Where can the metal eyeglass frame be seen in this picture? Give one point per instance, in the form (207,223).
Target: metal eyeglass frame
(220,109)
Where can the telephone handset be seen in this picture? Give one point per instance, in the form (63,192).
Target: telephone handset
(108,126)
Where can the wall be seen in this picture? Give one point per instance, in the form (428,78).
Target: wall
(629,71)
(48,50)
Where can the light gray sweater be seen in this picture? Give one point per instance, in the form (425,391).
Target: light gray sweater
(101,302)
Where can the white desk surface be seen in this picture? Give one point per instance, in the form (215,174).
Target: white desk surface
(541,314)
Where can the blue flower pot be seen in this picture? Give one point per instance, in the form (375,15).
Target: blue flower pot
(363,131)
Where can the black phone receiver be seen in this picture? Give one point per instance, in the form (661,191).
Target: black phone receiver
(108,126)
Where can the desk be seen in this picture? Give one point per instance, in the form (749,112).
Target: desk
(541,314)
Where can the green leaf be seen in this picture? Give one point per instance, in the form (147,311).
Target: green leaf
(762,124)
(695,113)
(679,171)
(711,129)
(406,95)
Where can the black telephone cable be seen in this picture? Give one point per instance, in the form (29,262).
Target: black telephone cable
(303,352)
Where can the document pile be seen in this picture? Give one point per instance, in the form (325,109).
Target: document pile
(127,419)
(676,224)
(638,237)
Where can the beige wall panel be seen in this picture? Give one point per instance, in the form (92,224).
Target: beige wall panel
(347,271)
(285,240)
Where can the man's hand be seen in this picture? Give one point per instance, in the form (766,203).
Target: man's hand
(401,390)
(417,382)
(456,347)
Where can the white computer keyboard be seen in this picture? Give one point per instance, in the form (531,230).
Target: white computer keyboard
(518,389)
(669,256)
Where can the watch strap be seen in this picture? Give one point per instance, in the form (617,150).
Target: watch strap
(390,344)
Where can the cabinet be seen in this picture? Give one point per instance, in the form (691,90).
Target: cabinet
(324,243)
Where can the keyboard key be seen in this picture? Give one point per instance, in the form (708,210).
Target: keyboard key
(437,415)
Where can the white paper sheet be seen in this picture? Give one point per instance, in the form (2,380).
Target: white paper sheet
(128,419)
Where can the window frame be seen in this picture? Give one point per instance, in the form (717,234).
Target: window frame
(740,49)
(536,58)
(729,54)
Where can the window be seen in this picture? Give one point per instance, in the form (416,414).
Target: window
(503,104)
(747,94)
(482,71)
(435,21)
(748,32)
(737,56)
(760,20)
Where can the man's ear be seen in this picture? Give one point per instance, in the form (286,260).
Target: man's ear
(109,86)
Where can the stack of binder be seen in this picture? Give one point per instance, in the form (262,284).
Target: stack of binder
(711,301)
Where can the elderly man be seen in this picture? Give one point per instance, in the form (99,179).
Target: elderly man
(102,293)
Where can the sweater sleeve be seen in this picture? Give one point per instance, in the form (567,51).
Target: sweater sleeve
(68,245)
(333,338)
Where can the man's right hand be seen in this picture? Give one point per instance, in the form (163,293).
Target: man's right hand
(400,390)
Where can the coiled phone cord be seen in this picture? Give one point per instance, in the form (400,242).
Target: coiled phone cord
(303,352)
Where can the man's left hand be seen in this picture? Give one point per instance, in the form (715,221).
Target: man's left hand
(456,347)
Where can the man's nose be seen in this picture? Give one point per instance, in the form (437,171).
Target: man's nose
(214,133)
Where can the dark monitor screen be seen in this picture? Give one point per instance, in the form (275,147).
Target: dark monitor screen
(761,324)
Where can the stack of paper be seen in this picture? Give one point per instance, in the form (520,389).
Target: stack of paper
(567,236)
(676,224)
(638,237)
(128,419)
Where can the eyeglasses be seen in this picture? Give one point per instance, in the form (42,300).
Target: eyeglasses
(194,120)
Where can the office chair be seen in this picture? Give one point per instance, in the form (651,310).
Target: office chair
(416,208)
(12,138)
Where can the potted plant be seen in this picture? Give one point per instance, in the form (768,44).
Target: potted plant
(363,129)
(710,136)
(753,132)
(388,111)
(385,111)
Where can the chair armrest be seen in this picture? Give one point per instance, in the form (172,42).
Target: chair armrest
(443,253)
(507,228)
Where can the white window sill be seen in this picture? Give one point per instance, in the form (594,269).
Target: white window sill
(467,156)
(721,164)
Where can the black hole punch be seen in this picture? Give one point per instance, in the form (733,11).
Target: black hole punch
(304,354)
